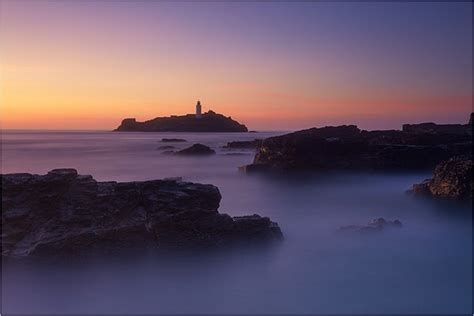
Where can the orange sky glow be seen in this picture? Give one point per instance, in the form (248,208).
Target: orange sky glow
(62,71)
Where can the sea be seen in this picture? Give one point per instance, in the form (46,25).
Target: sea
(425,267)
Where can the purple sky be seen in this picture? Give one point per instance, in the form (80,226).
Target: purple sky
(272,65)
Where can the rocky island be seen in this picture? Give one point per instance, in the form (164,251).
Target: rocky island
(348,147)
(66,213)
(198,122)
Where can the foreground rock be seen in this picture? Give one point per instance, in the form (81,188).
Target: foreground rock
(376,225)
(196,150)
(347,147)
(452,179)
(207,122)
(245,144)
(66,213)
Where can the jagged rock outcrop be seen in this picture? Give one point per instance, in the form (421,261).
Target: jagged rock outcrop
(207,122)
(196,150)
(66,213)
(376,225)
(347,147)
(452,179)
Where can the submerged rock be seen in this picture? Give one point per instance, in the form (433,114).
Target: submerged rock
(376,225)
(173,140)
(348,147)
(196,149)
(66,213)
(452,179)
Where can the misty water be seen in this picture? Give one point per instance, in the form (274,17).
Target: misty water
(424,267)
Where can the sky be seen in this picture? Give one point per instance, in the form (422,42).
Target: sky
(270,65)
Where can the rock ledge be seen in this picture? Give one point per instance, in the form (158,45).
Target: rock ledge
(66,213)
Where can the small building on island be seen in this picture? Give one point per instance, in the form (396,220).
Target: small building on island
(198,109)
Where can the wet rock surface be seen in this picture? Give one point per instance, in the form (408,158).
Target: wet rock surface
(374,226)
(66,213)
(348,147)
(452,179)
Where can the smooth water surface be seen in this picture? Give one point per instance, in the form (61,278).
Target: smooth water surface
(425,267)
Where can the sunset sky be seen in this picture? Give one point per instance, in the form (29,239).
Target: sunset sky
(270,65)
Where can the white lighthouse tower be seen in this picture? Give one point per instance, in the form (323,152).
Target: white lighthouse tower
(198,109)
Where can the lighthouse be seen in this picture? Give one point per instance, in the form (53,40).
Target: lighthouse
(198,109)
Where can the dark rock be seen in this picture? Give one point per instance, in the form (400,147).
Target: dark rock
(347,147)
(166,147)
(249,144)
(196,149)
(261,228)
(376,225)
(207,122)
(66,213)
(452,179)
(432,128)
(173,140)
